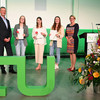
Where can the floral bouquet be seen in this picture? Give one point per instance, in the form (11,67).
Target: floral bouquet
(90,72)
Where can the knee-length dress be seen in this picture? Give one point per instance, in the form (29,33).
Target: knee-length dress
(72,31)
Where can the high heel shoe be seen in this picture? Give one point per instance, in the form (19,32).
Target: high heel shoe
(71,70)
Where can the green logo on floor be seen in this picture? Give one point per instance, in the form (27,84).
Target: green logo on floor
(21,81)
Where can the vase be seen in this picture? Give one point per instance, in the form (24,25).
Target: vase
(96,88)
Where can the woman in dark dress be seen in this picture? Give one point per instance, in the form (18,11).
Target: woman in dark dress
(72,41)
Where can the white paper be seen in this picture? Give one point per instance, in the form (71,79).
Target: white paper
(53,35)
(20,34)
(39,35)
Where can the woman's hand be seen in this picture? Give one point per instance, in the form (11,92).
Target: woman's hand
(43,34)
(71,38)
(17,38)
(24,35)
(34,37)
(49,35)
(69,41)
(58,35)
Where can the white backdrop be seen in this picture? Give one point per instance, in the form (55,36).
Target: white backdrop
(88,12)
(16,8)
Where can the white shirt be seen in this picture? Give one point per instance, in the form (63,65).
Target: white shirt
(41,40)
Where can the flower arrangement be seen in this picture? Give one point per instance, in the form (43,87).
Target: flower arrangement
(90,72)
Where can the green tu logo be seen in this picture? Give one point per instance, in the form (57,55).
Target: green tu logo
(21,81)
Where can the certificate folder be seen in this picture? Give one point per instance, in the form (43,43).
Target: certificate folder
(20,34)
(53,35)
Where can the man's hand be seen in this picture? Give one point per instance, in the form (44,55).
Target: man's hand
(7,40)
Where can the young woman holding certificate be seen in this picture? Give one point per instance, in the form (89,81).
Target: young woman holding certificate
(21,33)
(39,35)
(72,41)
(56,35)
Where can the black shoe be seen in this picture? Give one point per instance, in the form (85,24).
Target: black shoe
(12,71)
(3,71)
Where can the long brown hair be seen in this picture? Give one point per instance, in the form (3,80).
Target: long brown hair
(24,20)
(54,25)
(37,22)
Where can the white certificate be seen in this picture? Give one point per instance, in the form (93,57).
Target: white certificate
(53,35)
(20,34)
(39,35)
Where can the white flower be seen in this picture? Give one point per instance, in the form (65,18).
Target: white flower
(82,72)
(94,62)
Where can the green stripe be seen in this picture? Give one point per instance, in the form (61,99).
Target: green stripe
(30,47)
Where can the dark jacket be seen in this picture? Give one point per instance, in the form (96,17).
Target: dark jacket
(4,32)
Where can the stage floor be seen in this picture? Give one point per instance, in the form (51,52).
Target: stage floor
(64,88)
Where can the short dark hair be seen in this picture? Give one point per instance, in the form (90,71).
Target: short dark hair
(2,7)
(72,16)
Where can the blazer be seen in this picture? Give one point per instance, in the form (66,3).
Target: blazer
(4,32)
(59,40)
(25,27)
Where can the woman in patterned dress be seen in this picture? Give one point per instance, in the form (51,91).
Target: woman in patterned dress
(72,41)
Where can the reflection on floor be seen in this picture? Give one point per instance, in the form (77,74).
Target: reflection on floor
(64,88)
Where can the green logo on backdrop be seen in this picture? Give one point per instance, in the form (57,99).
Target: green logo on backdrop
(21,81)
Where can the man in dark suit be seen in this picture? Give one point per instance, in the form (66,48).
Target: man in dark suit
(5,37)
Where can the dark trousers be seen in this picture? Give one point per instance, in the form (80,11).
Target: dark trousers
(7,45)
